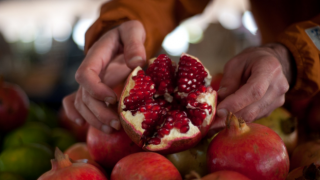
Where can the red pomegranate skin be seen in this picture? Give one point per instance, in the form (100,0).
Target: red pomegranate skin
(257,154)
(215,82)
(225,175)
(108,149)
(145,165)
(78,171)
(14,106)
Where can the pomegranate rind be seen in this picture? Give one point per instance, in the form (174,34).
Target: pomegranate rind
(175,141)
(132,127)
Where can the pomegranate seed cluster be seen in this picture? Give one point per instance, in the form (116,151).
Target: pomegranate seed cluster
(191,74)
(162,73)
(142,92)
(160,115)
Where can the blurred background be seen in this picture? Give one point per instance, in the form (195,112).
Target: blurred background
(41,41)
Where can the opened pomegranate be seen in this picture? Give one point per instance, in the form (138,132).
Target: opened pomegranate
(63,169)
(145,165)
(169,108)
(253,150)
(14,105)
(108,149)
(218,175)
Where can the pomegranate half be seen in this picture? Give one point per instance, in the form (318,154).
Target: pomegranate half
(168,108)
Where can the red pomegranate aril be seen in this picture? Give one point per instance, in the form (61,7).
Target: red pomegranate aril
(184,129)
(154,141)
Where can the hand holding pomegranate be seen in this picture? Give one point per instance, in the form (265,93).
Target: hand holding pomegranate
(254,83)
(107,63)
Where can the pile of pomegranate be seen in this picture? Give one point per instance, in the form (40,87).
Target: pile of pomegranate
(166,111)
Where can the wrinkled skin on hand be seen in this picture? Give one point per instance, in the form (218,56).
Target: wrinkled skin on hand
(254,83)
(107,64)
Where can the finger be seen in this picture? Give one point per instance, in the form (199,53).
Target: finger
(103,114)
(273,98)
(97,60)
(116,72)
(88,116)
(133,35)
(260,109)
(70,110)
(231,79)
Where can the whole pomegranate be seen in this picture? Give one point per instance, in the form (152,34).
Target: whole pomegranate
(305,154)
(108,149)
(311,172)
(169,108)
(218,175)
(145,165)
(284,124)
(63,169)
(14,105)
(253,150)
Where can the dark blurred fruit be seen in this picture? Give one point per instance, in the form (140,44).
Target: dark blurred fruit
(193,159)
(313,114)
(10,176)
(311,172)
(80,132)
(215,82)
(284,124)
(305,154)
(14,106)
(145,165)
(27,160)
(42,113)
(62,138)
(64,169)
(108,149)
(31,132)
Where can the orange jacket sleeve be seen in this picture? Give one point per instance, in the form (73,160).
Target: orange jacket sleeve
(159,17)
(306,55)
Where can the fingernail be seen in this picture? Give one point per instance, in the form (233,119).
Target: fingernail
(137,60)
(115,124)
(222,113)
(106,129)
(110,100)
(79,121)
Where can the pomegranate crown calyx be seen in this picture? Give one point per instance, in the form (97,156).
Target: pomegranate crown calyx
(238,124)
(61,160)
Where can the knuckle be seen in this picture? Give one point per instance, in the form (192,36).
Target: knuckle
(250,116)
(236,106)
(257,91)
(283,87)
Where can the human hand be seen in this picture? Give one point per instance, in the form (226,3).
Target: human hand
(107,63)
(254,83)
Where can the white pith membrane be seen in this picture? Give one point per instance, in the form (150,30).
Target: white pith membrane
(134,122)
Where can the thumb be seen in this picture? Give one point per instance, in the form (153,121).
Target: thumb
(133,35)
